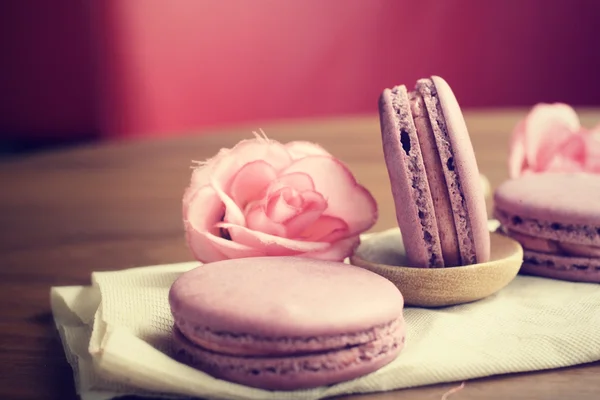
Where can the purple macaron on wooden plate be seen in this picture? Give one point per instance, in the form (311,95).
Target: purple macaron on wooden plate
(556,218)
(284,323)
(439,199)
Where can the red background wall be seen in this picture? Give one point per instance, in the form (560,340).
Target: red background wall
(117,68)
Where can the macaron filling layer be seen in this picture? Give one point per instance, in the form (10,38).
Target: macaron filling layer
(583,235)
(250,344)
(552,246)
(292,372)
(435,178)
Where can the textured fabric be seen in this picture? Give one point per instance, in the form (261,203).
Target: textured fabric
(117,334)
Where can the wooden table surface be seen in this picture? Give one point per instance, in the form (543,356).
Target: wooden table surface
(67,213)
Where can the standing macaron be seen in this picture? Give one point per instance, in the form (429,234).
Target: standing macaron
(284,323)
(556,218)
(440,203)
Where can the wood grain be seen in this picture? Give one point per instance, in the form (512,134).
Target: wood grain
(64,214)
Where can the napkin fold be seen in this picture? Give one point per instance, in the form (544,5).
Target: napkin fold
(116,335)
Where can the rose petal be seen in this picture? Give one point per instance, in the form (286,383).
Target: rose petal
(291,196)
(562,142)
(546,127)
(201,247)
(326,229)
(314,206)
(569,156)
(207,247)
(574,147)
(283,205)
(518,134)
(298,181)
(563,164)
(346,199)
(203,210)
(300,149)
(258,220)
(516,157)
(295,226)
(592,148)
(250,182)
(233,213)
(313,200)
(201,173)
(271,245)
(232,249)
(187,195)
(246,152)
(338,251)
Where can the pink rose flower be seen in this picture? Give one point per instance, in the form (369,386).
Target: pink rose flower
(264,198)
(551,139)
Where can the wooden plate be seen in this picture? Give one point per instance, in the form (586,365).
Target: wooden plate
(383,253)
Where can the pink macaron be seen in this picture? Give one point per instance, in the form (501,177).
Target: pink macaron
(556,218)
(284,323)
(439,199)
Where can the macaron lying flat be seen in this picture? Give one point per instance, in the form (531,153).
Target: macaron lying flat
(284,323)
(440,203)
(556,218)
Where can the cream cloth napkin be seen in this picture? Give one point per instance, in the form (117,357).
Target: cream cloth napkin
(116,336)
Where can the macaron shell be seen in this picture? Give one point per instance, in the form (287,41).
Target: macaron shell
(292,373)
(559,206)
(410,187)
(285,297)
(466,166)
(576,269)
